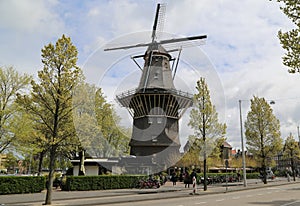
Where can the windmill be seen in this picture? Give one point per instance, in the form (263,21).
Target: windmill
(155,105)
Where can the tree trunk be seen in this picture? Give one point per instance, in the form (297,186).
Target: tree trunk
(204,174)
(50,176)
(41,157)
(81,171)
(293,169)
(264,173)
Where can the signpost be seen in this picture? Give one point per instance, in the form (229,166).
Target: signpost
(226,165)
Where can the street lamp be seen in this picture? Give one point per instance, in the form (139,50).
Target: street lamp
(243,150)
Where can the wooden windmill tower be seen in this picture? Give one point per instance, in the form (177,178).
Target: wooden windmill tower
(155,105)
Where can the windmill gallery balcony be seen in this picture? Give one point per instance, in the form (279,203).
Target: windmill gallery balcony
(170,103)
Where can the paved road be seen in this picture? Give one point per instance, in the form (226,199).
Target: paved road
(283,195)
(109,197)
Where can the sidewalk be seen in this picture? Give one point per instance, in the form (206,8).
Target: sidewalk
(127,195)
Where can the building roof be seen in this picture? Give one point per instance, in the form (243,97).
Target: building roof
(227,145)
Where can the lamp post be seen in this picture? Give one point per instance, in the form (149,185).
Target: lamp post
(243,150)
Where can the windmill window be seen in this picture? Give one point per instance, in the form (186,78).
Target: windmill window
(166,65)
(150,120)
(159,120)
(156,75)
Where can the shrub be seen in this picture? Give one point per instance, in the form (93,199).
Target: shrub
(101,182)
(21,184)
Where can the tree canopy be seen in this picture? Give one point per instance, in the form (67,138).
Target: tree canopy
(291,152)
(262,132)
(11,83)
(97,124)
(290,40)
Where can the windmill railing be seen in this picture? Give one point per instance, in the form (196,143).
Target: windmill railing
(155,91)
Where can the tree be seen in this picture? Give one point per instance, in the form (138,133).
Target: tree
(189,159)
(291,152)
(11,83)
(204,121)
(50,101)
(262,133)
(97,125)
(116,136)
(290,40)
(238,163)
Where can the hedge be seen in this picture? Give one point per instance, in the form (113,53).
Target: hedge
(253,175)
(21,184)
(101,182)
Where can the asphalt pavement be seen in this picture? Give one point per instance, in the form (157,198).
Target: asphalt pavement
(130,195)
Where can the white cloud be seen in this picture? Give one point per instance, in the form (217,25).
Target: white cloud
(28,17)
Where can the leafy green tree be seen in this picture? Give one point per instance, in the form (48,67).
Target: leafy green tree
(238,163)
(50,101)
(97,125)
(290,40)
(109,122)
(11,162)
(11,83)
(291,152)
(204,121)
(262,133)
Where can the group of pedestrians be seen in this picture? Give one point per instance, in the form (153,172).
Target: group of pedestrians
(185,177)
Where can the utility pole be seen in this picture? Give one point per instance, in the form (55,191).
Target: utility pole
(298,134)
(243,150)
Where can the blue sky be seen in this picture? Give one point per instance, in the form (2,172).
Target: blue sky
(240,58)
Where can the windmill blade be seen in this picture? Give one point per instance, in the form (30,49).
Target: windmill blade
(192,38)
(176,46)
(158,20)
(127,47)
(168,41)
(161,21)
(155,22)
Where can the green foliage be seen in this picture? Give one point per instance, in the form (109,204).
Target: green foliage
(290,40)
(291,152)
(203,117)
(291,148)
(11,83)
(108,121)
(21,184)
(207,129)
(262,132)
(103,182)
(50,102)
(11,161)
(97,124)
(254,175)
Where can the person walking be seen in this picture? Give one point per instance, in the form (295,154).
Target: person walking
(174,178)
(187,179)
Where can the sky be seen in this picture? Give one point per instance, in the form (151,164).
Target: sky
(241,57)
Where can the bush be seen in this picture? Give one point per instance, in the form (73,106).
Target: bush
(21,184)
(254,175)
(220,177)
(101,182)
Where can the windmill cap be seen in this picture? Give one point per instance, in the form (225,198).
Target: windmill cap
(157,49)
